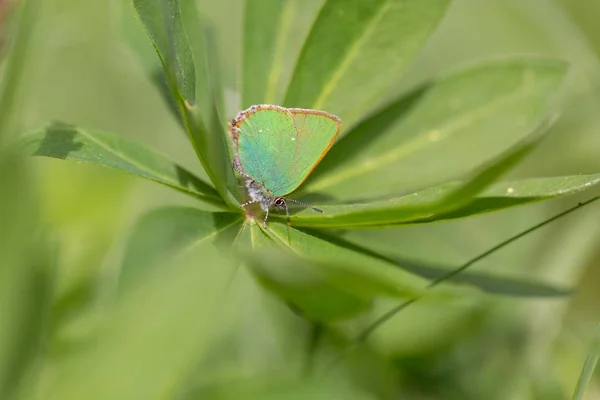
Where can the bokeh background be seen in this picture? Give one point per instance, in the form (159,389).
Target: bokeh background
(481,347)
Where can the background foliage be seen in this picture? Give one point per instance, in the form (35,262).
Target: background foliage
(214,332)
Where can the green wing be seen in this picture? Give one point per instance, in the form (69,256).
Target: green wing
(279,147)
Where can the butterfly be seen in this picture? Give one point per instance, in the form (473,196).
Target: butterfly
(276,149)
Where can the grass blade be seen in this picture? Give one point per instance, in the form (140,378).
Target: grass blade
(589,367)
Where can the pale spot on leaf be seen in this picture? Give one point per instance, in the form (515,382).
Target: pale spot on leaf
(434,135)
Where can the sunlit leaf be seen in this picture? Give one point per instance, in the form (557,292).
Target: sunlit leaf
(66,142)
(264,48)
(441,131)
(356,49)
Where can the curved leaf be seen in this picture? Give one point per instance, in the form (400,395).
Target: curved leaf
(163,235)
(356,49)
(163,22)
(324,280)
(66,142)
(430,205)
(441,131)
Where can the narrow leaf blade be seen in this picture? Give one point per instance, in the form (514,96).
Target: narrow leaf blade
(66,142)
(430,205)
(356,50)
(264,48)
(589,367)
(166,27)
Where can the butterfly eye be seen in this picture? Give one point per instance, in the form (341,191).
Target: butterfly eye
(279,202)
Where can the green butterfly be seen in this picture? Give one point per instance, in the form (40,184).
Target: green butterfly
(276,149)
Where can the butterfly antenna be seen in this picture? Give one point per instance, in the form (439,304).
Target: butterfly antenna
(306,205)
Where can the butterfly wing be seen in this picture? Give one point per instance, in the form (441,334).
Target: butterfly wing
(279,147)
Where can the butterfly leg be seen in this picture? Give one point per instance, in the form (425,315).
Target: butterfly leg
(238,168)
(244,205)
(287,214)
(266,217)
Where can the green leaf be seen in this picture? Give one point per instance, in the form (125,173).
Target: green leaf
(430,205)
(510,194)
(589,366)
(442,130)
(209,94)
(162,235)
(453,195)
(356,50)
(16,66)
(264,48)
(146,343)
(27,266)
(506,286)
(145,54)
(324,280)
(431,271)
(70,143)
(163,22)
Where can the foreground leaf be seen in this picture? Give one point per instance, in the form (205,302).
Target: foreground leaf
(16,65)
(153,336)
(26,271)
(162,235)
(356,50)
(70,143)
(165,27)
(429,205)
(441,131)
(322,279)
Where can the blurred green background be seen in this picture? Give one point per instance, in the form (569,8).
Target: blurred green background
(482,347)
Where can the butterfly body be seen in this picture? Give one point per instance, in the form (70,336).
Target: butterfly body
(276,149)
